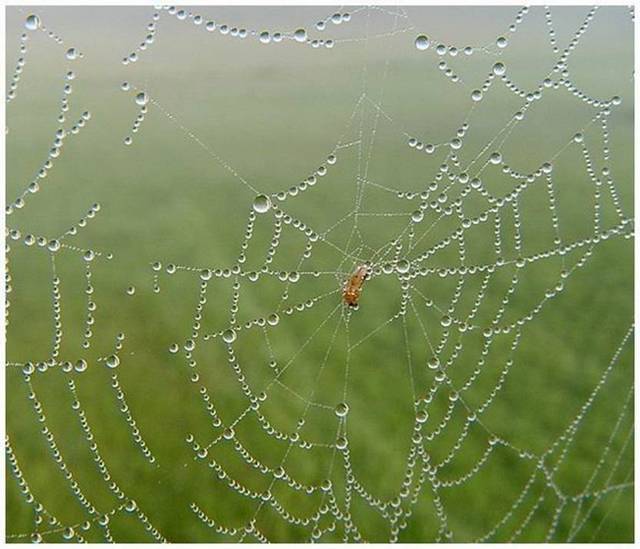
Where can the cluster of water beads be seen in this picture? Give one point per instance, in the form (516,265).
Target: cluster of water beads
(20,64)
(299,35)
(429,148)
(264,36)
(53,154)
(335,18)
(146,43)
(42,517)
(423,42)
(54,245)
(277,474)
(224,29)
(112,362)
(141,99)
(128,505)
(32,23)
(309,182)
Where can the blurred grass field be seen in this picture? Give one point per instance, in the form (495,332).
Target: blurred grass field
(274,113)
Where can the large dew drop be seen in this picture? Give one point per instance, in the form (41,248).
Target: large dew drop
(32,22)
(265,37)
(142,99)
(113,361)
(342,409)
(422,42)
(300,35)
(403,266)
(229,336)
(72,54)
(261,203)
(341,443)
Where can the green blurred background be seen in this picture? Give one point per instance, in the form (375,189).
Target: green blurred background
(274,113)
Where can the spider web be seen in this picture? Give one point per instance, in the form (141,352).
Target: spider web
(448,406)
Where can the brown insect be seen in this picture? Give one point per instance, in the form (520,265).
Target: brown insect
(353,286)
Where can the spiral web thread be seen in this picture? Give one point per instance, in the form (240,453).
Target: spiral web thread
(405,257)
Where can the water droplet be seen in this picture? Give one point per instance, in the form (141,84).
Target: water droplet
(476,95)
(499,69)
(228,433)
(300,35)
(265,37)
(445,321)
(113,361)
(72,54)
(422,42)
(495,158)
(229,336)
(341,443)
(81,365)
(104,520)
(32,22)
(142,99)
(417,216)
(262,203)
(273,319)
(501,42)
(54,245)
(433,363)
(342,409)
(403,266)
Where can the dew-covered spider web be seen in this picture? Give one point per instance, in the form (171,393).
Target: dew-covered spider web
(188,191)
